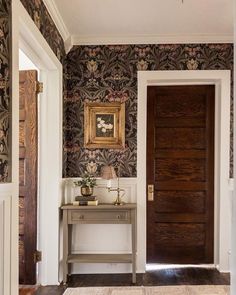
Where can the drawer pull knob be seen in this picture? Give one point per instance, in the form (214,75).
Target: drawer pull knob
(81,217)
(118,216)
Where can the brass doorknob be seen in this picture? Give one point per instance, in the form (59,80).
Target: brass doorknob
(151,192)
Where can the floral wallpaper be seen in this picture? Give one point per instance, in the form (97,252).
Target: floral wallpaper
(41,17)
(109,73)
(5,89)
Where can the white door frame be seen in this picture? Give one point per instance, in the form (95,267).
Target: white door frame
(222,222)
(26,36)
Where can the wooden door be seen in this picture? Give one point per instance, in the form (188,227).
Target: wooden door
(28,142)
(180,164)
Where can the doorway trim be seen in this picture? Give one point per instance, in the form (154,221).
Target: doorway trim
(222,218)
(25,35)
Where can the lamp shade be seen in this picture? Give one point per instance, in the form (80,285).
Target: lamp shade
(108,172)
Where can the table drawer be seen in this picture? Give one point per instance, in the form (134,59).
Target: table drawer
(91,216)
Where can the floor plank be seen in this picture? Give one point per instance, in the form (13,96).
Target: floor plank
(28,290)
(164,277)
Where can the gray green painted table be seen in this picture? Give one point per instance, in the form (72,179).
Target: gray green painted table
(101,214)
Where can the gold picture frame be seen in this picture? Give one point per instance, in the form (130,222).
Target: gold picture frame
(104,125)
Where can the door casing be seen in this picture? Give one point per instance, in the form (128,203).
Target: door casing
(222,221)
(26,36)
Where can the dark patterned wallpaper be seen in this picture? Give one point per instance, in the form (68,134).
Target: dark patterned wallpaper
(5,89)
(109,73)
(44,22)
(41,17)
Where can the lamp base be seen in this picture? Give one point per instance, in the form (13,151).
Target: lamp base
(118,203)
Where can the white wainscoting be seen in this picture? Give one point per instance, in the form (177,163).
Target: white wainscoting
(5,241)
(106,238)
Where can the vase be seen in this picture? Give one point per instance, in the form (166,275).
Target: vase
(86,191)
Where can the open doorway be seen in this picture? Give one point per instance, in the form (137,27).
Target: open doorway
(49,163)
(28,38)
(28,169)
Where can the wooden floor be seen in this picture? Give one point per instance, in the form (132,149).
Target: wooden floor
(178,276)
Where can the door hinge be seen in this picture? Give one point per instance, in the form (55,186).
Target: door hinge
(37,256)
(39,87)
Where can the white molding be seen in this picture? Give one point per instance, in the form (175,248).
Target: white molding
(27,37)
(32,35)
(68,44)
(233,231)
(57,18)
(5,189)
(231,184)
(221,80)
(5,242)
(14,186)
(150,39)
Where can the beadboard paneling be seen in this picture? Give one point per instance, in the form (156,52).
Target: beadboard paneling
(5,244)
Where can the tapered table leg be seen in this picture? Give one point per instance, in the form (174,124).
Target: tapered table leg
(65,246)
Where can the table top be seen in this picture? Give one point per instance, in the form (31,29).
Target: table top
(100,206)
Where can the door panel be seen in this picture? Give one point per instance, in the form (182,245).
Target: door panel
(181,138)
(180,164)
(180,201)
(28,141)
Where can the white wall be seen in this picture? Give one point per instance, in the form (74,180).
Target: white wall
(233,246)
(9,209)
(5,238)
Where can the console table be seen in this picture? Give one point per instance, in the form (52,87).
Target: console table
(101,214)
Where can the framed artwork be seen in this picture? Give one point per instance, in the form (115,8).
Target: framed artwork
(104,125)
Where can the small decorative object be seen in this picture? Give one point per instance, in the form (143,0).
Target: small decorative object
(87,183)
(104,125)
(108,172)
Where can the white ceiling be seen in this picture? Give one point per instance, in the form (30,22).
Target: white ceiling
(139,21)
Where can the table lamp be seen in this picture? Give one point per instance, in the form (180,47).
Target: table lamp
(108,172)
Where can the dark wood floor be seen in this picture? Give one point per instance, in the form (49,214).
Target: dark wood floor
(178,276)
